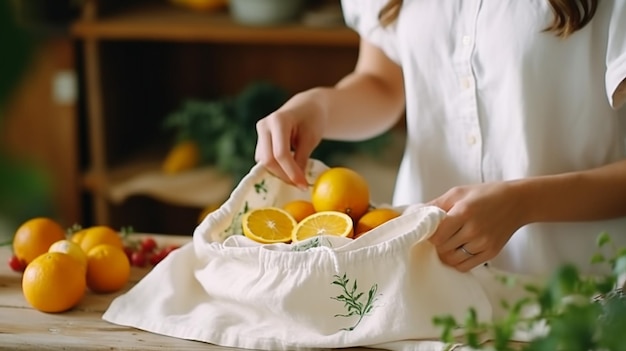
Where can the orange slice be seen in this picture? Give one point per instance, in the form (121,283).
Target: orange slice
(323,223)
(268,225)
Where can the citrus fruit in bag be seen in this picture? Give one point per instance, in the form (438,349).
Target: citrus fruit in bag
(53,282)
(323,223)
(108,268)
(35,236)
(299,209)
(268,225)
(341,189)
(373,219)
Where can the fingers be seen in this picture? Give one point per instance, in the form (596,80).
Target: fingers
(263,155)
(471,263)
(446,229)
(303,147)
(449,239)
(463,258)
(273,151)
(281,149)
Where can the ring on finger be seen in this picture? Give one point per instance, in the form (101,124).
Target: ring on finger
(465,251)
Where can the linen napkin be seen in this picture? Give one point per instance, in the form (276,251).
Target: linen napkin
(380,290)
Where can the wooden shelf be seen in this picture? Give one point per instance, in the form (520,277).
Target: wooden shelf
(141,57)
(199,187)
(161,22)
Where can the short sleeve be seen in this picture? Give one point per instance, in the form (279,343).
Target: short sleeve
(362,16)
(616,56)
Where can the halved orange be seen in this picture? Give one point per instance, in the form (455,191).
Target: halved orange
(268,225)
(323,223)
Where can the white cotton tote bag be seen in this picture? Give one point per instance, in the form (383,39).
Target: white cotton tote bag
(380,290)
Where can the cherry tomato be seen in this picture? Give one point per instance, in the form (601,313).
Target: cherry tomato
(129,252)
(16,264)
(148,244)
(138,259)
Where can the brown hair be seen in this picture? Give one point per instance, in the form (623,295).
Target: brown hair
(569,15)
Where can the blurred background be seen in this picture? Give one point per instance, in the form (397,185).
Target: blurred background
(141,113)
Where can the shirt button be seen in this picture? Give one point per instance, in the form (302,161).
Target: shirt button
(471,140)
(467,40)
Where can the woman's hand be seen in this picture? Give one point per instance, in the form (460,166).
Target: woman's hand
(480,221)
(361,105)
(288,136)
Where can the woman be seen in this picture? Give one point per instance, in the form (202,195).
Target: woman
(513,121)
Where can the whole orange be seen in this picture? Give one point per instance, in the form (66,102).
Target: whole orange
(71,248)
(101,234)
(35,236)
(299,209)
(373,219)
(341,189)
(77,236)
(53,282)
(108,268)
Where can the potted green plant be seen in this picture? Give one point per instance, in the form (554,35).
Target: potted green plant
(224,129)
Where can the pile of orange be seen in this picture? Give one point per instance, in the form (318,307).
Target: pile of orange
(339,205)
(59,270)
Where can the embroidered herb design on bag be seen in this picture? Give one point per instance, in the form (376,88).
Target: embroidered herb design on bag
(315,242)
(261,188)
(235,226)
(352,299)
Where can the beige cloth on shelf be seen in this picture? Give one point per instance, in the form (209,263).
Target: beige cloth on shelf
(381,290)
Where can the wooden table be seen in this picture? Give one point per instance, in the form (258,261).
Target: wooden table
(82,328)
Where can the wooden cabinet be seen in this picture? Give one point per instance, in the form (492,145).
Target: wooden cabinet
(140,60)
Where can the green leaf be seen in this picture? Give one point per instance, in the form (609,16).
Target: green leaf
(448,324)
(532,289)
(605,284)
(603,239)
(597,258)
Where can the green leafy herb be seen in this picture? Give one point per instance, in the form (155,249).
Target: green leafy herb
(582,313)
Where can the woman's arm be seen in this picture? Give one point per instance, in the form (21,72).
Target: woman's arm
(594,194)
(482,217)
(368,101)
(363,104)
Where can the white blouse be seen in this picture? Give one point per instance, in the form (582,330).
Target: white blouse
(490,96)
